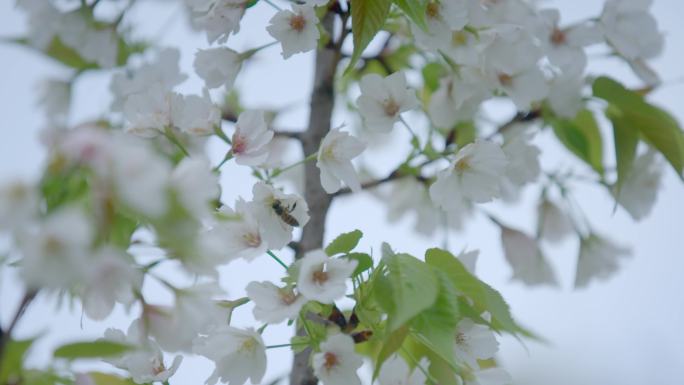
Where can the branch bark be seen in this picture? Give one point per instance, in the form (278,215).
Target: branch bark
(322,103)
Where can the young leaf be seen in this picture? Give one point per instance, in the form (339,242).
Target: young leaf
(409,288)
(364,262)
(415,10)
(109,379)
(368,16)
(484,297)
(12,357)
(344,243)
(657,126)
(91,349)
(390,344)
(582,137)
(626,139)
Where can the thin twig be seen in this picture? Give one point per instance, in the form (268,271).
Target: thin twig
(7,335)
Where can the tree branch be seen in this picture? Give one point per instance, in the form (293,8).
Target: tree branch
(7,334)
(322,103)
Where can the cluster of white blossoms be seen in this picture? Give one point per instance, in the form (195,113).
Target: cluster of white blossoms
(146,174)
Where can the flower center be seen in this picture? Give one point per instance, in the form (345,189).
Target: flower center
(432,10)
(157,366)
(252,239)
(239,144)
(505,79)
(460,338)
(462,164)
(391,107)
(331,360)
(53,244)
(558,37)
(320,277)
(249,345)
(298,22)
(287,297)
(459,38)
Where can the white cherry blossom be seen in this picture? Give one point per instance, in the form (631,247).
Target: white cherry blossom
(251,138)
(474,175)
(275,229)
(221,19)
(196,186)
(553,224)
(599,259)
(565,95)
(395,371)
(218,66)
(195,115)
(239,355)
(336,151)
(458,98)
(55,97)
(296,29)
(149,112)
(337,362)
(639,190)
(523,157)
(322,278)
(18,204)
(383,100)
(111,279)
(526,259)
(145,363)
(630,29)
(273,304)
(474,342)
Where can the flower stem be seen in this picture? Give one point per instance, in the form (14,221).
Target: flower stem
(168,132)
(229,156)
(285,345)
(279,171)
(272,4)
(269,252)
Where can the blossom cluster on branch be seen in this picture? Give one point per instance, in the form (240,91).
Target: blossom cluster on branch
(140,179)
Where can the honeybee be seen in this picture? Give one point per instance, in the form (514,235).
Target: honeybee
(284,212)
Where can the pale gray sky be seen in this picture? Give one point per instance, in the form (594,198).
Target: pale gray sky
(625,331)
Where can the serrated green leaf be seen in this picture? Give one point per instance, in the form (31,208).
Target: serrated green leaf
(344,243)
(364,262)
(435,327)
(91,349)
(368,17)
(409,288)
(654,124)
(390,344)
(432,73)
(13,359)
(582,137)
(484,297)
(415,10)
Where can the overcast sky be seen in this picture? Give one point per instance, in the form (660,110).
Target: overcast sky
(626,331)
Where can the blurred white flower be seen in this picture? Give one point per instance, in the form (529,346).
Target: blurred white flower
(195,115)
(296,30)
(111,278)
(474,342)
(55,97)
(239,355)
(458,98)
(334,161)
(523,157)
(598,259)
(148,113)
(553,223)
(145,363)
(337,362)
(565,95)
(395,371)
(639,190)
(217,66)
(474,175)
(526,259)
(251,138)
(630,29)
(383,100)
(221,19)
(322,278)
(196,186)
(19,203)
(273,304)
(277,213)
(56,252)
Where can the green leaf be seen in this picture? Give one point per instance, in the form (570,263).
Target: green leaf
(13,359)
(364,262)
(109,379)
(435,327)
(432,73)
(626,139)
(582,137)
(409,288)
(655,125)
(91,349)
(415,10)
(368,17)
(344,243)
(390,344)
(484,297)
